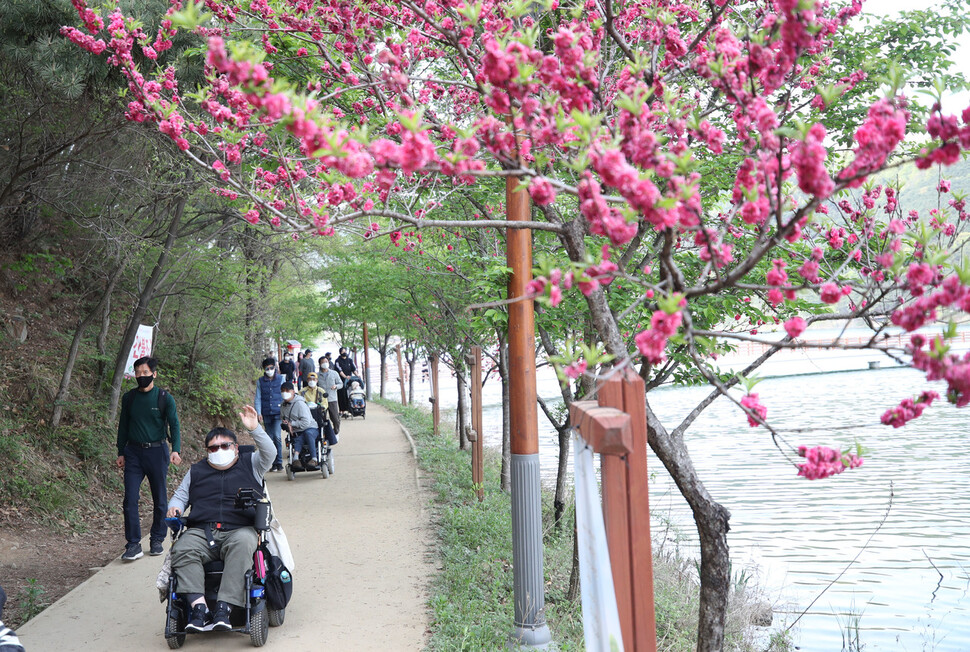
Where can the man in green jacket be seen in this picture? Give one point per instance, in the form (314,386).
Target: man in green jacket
(147,412)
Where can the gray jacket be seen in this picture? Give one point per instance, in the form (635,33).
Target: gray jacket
(298,414)
(262,461)
(330,380)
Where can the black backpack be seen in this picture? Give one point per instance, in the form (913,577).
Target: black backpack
(279,581)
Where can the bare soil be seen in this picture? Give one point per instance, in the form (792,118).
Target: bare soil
(55,558)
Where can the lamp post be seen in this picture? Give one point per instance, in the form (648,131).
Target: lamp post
(530,630)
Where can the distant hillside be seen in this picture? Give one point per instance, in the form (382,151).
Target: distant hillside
(918,191)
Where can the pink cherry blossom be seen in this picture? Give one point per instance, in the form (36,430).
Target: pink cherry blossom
(795,327)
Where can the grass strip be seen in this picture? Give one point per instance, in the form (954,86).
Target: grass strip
(472,595)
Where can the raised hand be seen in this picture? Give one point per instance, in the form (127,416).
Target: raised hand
(248,417)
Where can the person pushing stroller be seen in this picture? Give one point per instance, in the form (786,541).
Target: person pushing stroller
(297,416)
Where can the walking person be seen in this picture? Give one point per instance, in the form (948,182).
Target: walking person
(147,423)
(329,380)
(288,368)
(269,397)
(346,368)
(306,366)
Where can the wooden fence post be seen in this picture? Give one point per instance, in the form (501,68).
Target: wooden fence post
(478,465)
(626,502)
(400,375)
(436,400)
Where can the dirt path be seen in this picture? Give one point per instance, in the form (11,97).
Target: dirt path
(360,540)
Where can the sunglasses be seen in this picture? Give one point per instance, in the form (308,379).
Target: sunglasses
(226,445)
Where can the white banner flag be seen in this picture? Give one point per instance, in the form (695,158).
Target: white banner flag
(141,348)
(601,619)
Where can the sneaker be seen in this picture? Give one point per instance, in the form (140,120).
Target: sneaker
(220,619)
(276,468)
(132,552)
(197,619)
(297,465)
(156,549)
(312,465)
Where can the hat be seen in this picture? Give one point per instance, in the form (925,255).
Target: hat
(311,375)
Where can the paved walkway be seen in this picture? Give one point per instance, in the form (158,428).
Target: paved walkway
(360,540)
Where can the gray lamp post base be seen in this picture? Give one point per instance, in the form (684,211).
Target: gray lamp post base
(531,638)
(530,631)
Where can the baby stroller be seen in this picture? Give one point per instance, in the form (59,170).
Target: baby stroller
(259,614)
(327,439)
(356,396)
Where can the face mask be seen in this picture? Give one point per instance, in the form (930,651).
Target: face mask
(144,381)
(312,383)
(287,358)
(270,372)
(324,366)
(287,396)
(222,457)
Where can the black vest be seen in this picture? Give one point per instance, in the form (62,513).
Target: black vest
(212,493)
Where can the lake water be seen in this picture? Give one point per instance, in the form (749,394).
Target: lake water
(908,589)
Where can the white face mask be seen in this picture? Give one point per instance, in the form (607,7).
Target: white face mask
(312,383)
(287,396)
(324,366)
(270,372)
(222,458)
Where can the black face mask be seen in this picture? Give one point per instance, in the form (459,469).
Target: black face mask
(144,381)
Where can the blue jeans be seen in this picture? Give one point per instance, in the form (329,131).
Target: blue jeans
(141,463)
(306,438)
(272,424)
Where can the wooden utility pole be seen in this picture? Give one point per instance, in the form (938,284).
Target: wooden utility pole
(476,436)
(530,629)
(400,375)
(435,399)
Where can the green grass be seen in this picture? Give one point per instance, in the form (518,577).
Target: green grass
(472,595)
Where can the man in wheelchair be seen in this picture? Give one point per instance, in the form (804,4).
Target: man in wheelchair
(217,528)
(297,416)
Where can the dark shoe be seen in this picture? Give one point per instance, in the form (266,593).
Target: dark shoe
(277,468)
(312,465)
(156,549)
(197,619)
(220,619)
(132,552)
(297,465)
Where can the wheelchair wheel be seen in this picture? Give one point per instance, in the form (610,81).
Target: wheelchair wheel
(290,474)
(325,469)
(258,628)
(176,623)
(276,616)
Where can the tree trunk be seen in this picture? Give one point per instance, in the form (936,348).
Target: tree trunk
(463,419)
(103,346)
(572,594)
(144,299)
(411,356)
(711,519)
(505,477)
(559,501)
(64,388)
(382,351)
